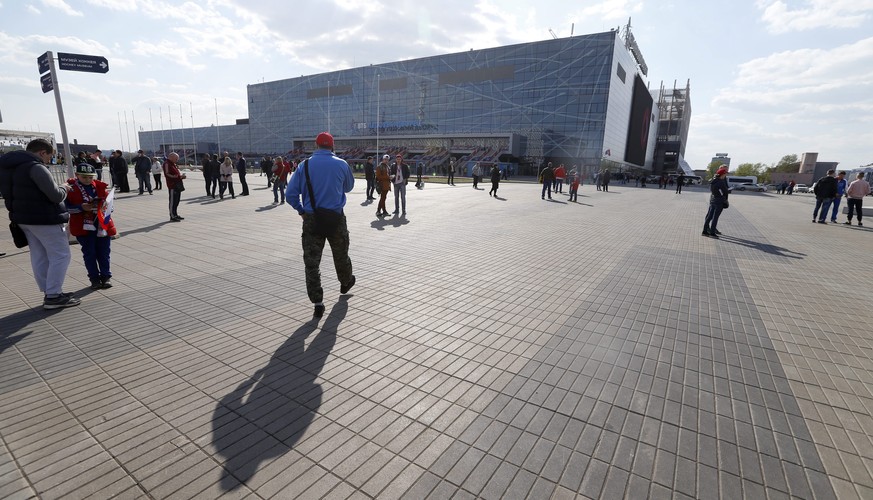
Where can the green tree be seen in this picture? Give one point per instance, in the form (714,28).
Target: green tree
(711,168)
(788,164)
(755,169)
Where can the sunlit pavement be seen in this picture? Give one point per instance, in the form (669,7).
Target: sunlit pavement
(508,347)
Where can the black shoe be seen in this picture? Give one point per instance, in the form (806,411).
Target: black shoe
(106,282)
(174,219)
(813,221)
(848,223)
(822,222)
(705,233)
(96,285)
(396,212)
(319,311)
(859,223)
(715,231)
(345,289)
(60,301)
(180,218)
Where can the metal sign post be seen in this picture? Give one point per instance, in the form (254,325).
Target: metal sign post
(68,156)
(72,62)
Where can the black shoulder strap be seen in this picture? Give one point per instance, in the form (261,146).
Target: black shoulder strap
(309,184)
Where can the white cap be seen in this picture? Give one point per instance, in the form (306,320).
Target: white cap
(386,157)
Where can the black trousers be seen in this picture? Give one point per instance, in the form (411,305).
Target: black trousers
(371,187)
(451,178)
(175,198)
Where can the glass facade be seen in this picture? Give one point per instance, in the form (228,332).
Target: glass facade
(525,104)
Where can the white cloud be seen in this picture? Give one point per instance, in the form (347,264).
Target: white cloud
(62,6)
(780,18)
(68,42)
(33,10)
(612,9)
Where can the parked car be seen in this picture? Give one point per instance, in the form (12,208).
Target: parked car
(801,188)
(749,186)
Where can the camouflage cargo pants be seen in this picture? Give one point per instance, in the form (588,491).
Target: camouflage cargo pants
(313,246)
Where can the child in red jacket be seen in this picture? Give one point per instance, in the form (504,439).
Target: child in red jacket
(93,228)
(575,181)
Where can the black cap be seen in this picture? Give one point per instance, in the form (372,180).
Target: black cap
(85,169)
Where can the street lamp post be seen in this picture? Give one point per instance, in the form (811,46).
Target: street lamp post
(378,118)
(328,106)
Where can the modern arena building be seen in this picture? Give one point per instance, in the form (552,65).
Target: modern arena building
(579,100)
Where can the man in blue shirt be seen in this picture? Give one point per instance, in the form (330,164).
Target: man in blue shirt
(842,184)
(330,178)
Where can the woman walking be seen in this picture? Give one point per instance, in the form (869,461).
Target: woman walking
(718,201)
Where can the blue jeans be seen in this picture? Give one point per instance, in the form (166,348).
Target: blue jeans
(836,209)
(399,194)
(716,205)
(824,204)
(547,186)
(95,251)
(280,187)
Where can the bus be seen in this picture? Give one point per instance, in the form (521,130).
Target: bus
(736,180)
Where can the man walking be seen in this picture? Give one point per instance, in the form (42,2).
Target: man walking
(825,190)
(450,179)
(370,176)
(399,177)
(174,185)
(36,204)
(142,167)
(328,178)
(477,172)
(858,189)
(680,181)
(241,170)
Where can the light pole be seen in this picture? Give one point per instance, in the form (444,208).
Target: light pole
(328,106)
(378,119)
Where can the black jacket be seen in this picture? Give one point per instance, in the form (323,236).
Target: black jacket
(826,187)
(369,170)
(119,165)
(403,170)
(719,189)
(142,165)
(26,201)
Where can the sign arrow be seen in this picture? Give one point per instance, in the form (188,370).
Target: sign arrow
(82,62)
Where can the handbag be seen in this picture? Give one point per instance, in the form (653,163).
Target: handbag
(725,204)
(180,186)
(326,220)
(18,236)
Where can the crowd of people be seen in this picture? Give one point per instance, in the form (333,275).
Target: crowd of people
(43,210)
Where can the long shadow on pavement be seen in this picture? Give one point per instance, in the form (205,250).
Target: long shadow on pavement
(268,413)
(764,247)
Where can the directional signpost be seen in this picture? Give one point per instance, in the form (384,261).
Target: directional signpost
(81,62)
(43,62)
(49,81)
(46,81)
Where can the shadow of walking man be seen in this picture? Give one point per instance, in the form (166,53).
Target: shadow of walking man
(268,413)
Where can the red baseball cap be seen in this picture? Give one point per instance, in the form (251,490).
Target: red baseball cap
(721,170)
(324,140)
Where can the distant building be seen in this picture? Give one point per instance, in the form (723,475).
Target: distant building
(809,170)
(674,119)
(723,159)
(578,100)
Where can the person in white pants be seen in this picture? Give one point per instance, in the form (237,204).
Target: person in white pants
(36,203)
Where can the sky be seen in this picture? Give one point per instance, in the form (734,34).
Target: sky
(768,77)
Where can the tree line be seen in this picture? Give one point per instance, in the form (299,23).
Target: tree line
(789,164)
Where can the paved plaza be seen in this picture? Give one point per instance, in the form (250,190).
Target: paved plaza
(491,348)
